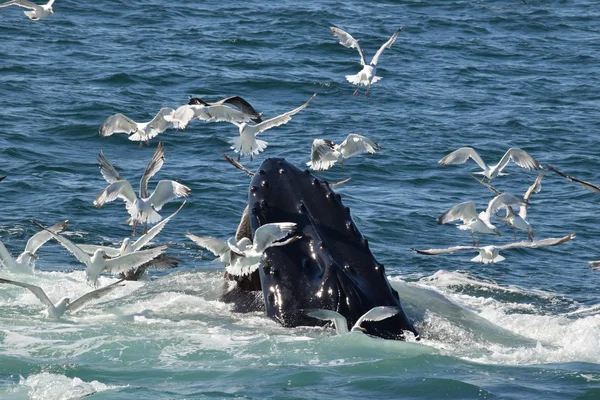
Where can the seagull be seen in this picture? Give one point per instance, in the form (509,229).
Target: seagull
(137,131)
(161,262)
(39,11)
(341,324)
(247,144)
(143,209)
(58,310)
(366,77)
(490,254)
(243,257)
(324,153)
(23,263)
(474,222)
(235,101)
(518,156)
(100,262)
(586,185)
(595,265)
(181,117)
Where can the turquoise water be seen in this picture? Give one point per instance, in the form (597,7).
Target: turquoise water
(488,74)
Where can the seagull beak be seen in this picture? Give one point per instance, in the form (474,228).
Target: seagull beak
(363,330)
(34,256)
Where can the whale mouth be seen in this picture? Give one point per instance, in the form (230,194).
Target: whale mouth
(329,267)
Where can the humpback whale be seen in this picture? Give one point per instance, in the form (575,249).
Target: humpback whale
(330,267)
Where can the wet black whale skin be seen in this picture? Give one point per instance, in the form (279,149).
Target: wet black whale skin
(330,267)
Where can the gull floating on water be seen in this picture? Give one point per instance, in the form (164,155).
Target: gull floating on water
(518,156)
(324,153)
(480,223)
(586,185)
(39,11)
(519,220)
(243,257)
(137,131)
(490,254)
(247,144)
(100,262)
(143,209)
(58,310)
(341,324)
(23,263)
(366,77)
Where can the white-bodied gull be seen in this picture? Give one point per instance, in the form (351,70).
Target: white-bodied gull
(246,143)
(24,262)
(324,153)
(518,156)
(235,101)
(341,324)
(65,304)
(367,76)
(143,209)
(38,11)
(490,254)
(181,117)
(137,131)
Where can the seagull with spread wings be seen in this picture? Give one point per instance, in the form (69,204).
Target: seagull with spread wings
(518,156)
(37,11)
(65,304)
(137,131)
(490,254)
(235,101)
(246,143)
(478,223)
(341,324)
(143,209)
(324,153)
(367,76)
(24,262)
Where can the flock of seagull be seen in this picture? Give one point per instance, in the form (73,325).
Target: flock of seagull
(243,256)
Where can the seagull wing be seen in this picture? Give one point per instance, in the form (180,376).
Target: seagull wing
(376,314)
(221,113)
(37,240)
(340,322)
(108,171)
(267,234)
(487,185)
(463,211)
(357,144)
(239,248)
(155,230)
(241,105)
(128,261)
(159,124)
(95,294)
(74,249)
(434,252)
(181,117)
(39,293)
(538,243)
(386,45)
(462,155)
(215,246)
(91,249)
(152,168)
(118,123)
(502,200)
(21,3)
(519,157)
(534,188)
(162,262)
(5,258)
(587,185)
(119,189)
(319,151)
(166,191)
(279,120)
(347,40)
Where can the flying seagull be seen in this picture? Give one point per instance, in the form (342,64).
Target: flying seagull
(58,310)
(137,131)
(23,262)
(586,185)
(480,223)
(247,144)
(341,324)
(324,153)
(243,257)
(100,262)
(518,156)
(181,117)
(38,11)
(235,101)
(490,254)
(143,209)
(366,77)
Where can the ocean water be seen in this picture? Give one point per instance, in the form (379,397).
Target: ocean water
(488,74)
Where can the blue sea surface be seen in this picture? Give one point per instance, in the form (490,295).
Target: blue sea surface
(488,74)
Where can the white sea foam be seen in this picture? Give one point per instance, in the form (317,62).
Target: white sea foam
(49,386)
